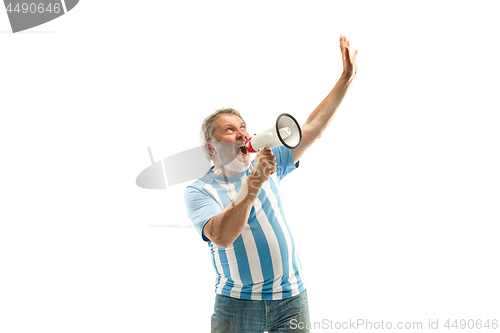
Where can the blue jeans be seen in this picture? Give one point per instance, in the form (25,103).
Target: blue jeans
(232,315)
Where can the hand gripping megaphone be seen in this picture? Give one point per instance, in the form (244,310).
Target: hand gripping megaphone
(286,132)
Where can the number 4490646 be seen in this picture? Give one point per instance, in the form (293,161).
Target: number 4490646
(471,324)
(34,8)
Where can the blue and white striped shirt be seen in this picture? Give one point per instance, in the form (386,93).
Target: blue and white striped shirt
(262,263)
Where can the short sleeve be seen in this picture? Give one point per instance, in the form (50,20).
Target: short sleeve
(284,161)
(201,207)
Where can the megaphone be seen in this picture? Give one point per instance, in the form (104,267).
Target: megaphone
(286,132)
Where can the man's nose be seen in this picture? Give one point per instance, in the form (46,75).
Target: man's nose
(241,134)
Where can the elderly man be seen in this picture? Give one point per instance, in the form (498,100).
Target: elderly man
(236,208)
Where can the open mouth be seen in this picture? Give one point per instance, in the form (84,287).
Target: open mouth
(241,151)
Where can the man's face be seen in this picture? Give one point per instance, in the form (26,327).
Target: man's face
(231,134)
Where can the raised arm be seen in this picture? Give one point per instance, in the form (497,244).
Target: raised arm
(324,113)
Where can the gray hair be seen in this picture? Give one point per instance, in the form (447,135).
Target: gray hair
(208,126)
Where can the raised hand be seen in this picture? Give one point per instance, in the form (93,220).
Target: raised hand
(348,57)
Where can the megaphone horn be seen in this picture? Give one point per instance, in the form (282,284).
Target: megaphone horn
(286,132)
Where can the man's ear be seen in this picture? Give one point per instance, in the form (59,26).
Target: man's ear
(210,149)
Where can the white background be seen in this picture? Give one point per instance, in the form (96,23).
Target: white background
(395,210)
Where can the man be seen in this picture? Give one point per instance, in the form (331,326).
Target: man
(236,208)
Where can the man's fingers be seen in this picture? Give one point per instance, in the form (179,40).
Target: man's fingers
(267,153)
(270,169)
(345,46)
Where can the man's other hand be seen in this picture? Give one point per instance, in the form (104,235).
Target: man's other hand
(348,58)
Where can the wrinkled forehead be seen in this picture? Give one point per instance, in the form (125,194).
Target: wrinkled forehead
(224,121)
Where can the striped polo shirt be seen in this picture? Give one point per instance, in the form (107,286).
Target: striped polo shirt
(262,263)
